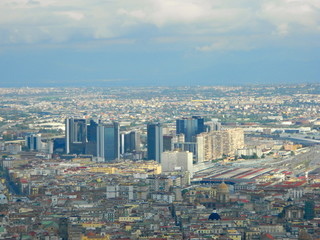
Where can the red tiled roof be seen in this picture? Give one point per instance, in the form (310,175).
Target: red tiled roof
(269,236)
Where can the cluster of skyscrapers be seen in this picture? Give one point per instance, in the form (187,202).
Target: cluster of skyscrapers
(190,127)
(105,142)
(97,139)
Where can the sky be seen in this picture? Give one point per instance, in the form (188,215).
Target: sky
(110,43)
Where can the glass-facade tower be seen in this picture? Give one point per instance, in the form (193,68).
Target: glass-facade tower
(108,141)
(76,136)
(154,141)
(190,127)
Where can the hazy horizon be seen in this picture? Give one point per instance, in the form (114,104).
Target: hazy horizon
(158,43)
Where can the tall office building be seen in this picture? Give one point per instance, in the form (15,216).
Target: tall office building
(33,142)
(91,146)
(108,141)
(76,136)
(154,141)
(190,127)
(122,139)
(130,142)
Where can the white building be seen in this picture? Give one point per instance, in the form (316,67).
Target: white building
(250,152)
(171,161)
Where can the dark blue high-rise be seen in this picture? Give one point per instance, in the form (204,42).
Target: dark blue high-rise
(154,141)
(91,146)
(190,127)
(108,141)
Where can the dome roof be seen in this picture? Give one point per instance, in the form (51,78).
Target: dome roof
(223,187)
(214,216)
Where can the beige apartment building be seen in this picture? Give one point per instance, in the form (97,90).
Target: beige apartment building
(215,144)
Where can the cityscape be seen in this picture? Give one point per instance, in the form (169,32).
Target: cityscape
(184,162)
(159,120)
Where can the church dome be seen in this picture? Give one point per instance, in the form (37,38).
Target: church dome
(223,187)
(214,216)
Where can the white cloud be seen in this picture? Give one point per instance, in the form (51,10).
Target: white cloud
(229,43)
(73,15)
(221,21)
(292,16)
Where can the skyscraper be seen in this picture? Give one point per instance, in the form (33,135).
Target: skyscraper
(122,140)
(190,127)
(33,142)
(91,146)
(76,136)
(131,142)
(108,141)
(154,141)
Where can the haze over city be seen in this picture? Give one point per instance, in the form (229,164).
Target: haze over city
(159,119)
(157,43)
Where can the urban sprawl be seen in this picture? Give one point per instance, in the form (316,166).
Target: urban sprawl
(236,163)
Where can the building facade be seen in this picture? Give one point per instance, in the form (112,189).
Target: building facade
(154,141)
(175,160)
(108,142)
(33,142)
(76,136)
(190,127)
